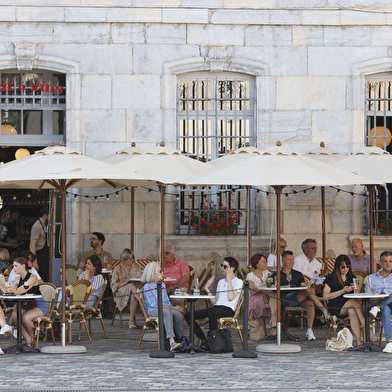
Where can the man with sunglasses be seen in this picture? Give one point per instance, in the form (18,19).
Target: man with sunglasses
(381,282)
(175,269)
(225,302)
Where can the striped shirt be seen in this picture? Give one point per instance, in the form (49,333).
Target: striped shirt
(97,283)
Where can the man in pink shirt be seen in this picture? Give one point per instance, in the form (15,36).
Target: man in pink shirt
(175,269)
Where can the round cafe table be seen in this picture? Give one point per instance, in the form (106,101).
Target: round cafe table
(284,290)
(192,299)
(19,347)
(366,297)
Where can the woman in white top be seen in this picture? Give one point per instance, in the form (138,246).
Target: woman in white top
(271,261)
(257,279)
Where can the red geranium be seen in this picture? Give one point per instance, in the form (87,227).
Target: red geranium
(211,224)
(194,225)
(227,224)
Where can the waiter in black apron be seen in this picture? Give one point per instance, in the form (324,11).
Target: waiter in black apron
(39,243)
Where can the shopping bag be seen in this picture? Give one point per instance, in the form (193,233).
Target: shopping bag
(343,341)
(256,330)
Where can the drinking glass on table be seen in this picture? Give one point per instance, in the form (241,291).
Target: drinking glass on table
(370,285)
(289,276)
(105,261)
(26,285)
(356,284)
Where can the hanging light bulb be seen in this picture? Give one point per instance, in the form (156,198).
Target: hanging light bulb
(107,198)
(117,194)
(29,195)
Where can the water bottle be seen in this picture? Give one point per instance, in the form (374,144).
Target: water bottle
(269,280)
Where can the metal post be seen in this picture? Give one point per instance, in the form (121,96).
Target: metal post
(245,353)
(161,352)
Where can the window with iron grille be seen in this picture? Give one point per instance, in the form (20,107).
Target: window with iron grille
(32,107)
(378,133)
(215,115)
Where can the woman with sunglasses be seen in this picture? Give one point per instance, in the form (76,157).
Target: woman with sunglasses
(336,285)
(225,302)
(172,315)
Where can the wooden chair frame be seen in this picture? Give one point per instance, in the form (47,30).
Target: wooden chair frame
(149,322)
(95,312)
(78,298)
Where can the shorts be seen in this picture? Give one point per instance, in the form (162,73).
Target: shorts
(292,300)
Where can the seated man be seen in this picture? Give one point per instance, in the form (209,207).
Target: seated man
(175,269)
(225,302)
(307,264)
(381,282)
(96,242)
(360,260)
(304,298)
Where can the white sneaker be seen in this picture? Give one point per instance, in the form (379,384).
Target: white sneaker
(6,330)
(374,311)
(1,351)
(388,348)
(310,335)
(15,333)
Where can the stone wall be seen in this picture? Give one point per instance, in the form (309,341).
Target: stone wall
(122,57)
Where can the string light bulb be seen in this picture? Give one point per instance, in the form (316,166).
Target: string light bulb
(117,194)
(107,198)
(29,195)
(74,198)
(95,198)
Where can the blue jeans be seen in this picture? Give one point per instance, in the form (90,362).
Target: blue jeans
(386,311)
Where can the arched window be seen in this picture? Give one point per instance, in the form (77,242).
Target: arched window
(215,115)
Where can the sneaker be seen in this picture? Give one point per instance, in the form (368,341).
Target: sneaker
(1,351)
(6,330)
(388,348)
(310,335)
(175,346)
(374,311)
(15,333)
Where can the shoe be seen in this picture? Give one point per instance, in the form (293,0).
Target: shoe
(6,330)
(310,335)
(204,347)
(374,311)
(388,348)
(15,333)
(132,326)
(1,351)
(175,346)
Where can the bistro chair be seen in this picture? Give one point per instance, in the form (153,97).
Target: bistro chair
(95,312)
(205,275)
(78,293)
(7,272)
(149,322)
(71,274)
(297,311)
(232,322)
(336,321)
(191,276)
(50,294)
(241,273)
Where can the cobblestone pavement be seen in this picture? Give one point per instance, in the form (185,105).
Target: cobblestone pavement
(115,364)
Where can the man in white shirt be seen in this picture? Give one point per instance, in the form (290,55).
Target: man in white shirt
(307,263)
(225,302)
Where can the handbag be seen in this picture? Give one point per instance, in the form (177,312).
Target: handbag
(226,335)
(256,330)
(344,341)
(215,342)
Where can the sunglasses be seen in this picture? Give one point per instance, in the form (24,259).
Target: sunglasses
(345,266)
(166,253)
(224,266)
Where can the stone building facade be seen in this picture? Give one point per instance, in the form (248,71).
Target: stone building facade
(308,63)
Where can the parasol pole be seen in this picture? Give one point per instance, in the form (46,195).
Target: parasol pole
(371,226)
(324,237)
(278,192)
(133,220)
(249,223)
(63,258)
(162,242)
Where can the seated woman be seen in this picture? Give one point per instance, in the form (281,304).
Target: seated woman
(172,317)
(31,259)
(5,328)
(336,285)
(258,300)
(225,302)
(271,261)
(124,290)
(92,272)
(24,283)
(4,259)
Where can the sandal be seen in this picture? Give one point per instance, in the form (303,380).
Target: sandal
(132,325)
